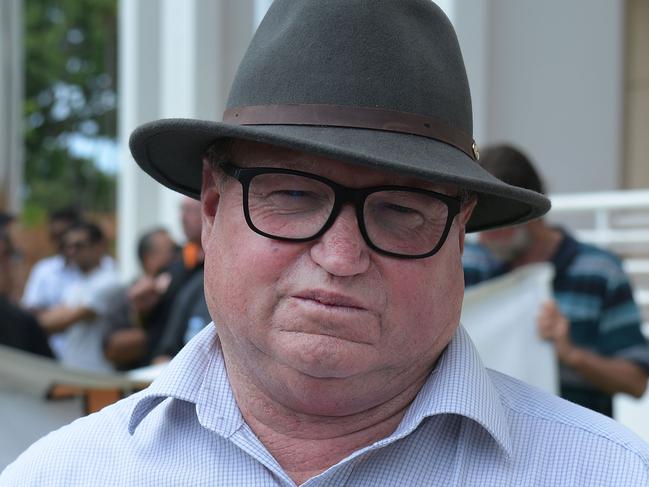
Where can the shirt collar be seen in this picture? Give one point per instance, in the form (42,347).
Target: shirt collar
(565,253)
(197,370)
(459,385)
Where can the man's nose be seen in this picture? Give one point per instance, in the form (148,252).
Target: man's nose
(342,251)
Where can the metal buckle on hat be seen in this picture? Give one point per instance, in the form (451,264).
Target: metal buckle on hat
(476,152)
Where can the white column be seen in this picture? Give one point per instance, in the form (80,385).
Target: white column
(11,95)
(138,200)
(177,59)
(261,7)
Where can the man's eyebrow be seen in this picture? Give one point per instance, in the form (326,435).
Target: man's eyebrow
(298,165)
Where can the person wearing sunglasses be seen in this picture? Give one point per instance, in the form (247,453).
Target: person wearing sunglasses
(81,316)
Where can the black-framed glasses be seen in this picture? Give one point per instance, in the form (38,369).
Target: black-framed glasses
(296,206)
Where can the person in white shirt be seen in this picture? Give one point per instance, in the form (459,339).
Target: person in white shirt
(85,302)
(50,276)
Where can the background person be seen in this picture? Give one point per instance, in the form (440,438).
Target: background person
(593,321)
(81,316)
(50,277)
(15,271)
(18,328)
(137,318)
(172,306)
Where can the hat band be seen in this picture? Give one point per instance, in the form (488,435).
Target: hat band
(353,117)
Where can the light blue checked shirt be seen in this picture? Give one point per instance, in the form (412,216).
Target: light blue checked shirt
(467,426)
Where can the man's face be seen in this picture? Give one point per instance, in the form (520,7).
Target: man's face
(327,326)
(507,244)
(162,252)
(80,250)
(190,213)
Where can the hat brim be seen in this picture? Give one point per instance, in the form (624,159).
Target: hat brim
(172,150)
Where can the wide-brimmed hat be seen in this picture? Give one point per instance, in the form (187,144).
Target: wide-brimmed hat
(377,83)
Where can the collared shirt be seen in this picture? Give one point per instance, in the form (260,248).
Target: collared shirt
(593,292)
(468,426)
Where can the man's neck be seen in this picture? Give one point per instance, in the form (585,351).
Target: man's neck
(306,445)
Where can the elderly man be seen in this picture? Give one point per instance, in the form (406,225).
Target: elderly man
(335,196)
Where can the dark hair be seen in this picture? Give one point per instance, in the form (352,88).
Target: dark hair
(145,243)
(511,166)
(219,153)
(95,234)
(69,214)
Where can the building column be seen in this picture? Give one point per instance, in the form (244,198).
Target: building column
(177,60)
(11,96)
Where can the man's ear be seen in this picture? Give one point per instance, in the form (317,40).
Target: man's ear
(210,194)
(463,219)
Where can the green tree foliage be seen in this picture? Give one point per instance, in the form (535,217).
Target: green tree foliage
(70,93)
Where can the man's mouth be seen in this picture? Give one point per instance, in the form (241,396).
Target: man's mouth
(328,298)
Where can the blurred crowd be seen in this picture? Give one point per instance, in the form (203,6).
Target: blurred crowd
(74,307)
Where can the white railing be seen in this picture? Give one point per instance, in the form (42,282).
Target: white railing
(617,220)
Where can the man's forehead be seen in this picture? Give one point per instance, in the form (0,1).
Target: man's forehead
(255,154)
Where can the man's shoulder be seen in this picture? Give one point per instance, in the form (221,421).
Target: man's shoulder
(46,266)
(595,259)
(553,422)
(55,261)
(75,453)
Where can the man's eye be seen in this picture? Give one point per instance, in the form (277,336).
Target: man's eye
(294,193)
(399,209)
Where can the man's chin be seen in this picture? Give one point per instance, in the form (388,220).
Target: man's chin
(324,357)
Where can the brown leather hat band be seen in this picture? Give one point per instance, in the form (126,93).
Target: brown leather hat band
(352,117)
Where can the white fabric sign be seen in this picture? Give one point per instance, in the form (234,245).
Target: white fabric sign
(501,318)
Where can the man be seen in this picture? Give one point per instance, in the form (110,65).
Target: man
(18,328)
(335,197)
(137,318)
(593,323)
(81,316)
(12,279)
(188,313)
(51,276)
(164,307)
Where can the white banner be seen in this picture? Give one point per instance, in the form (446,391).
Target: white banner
(500,316)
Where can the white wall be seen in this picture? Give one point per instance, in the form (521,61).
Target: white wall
(548,76)
(11,95)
